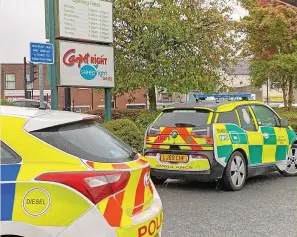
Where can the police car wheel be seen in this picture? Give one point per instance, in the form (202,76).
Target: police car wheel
(291,169)
(158,180)
(235,173)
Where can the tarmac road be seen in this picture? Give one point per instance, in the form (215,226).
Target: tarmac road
(265,207)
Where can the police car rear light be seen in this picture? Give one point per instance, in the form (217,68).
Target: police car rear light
(102,180)
(198,156)
(96,186)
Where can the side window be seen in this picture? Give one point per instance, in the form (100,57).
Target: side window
(228,117)
(246,119)
(265,116)
(8,156)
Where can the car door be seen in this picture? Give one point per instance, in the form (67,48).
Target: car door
(275,138)
(254,136)
(10,166)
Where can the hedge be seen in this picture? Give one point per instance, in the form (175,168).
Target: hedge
(127,131)
(141,117)
(290,115)
(131,114)
(6,102)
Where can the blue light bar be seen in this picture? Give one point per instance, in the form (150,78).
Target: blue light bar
(196,96)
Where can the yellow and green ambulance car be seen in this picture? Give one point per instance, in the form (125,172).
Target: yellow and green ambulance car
(226,141)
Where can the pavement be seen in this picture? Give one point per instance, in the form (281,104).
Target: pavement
(265,207)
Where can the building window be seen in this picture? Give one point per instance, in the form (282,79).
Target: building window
(10,81)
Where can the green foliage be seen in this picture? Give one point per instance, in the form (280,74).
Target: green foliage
(131,114)
(271,41)
(6,102)
(145,119)
(178,45)
(127,131)
(290,115)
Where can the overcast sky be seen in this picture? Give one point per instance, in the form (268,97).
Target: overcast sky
(22,22)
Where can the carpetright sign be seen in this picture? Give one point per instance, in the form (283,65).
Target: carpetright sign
(86,65)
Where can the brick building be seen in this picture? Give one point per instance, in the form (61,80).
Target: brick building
(12,88)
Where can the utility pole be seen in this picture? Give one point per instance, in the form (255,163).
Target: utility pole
(25,78)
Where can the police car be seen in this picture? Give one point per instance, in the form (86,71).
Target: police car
(64,175)
(220,140)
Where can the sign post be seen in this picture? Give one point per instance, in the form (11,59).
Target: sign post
(50,30)
(40,70)
(41,53)
(82,33)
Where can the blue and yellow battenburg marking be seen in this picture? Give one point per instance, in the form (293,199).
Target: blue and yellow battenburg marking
(9,173)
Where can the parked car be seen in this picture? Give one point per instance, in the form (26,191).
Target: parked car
(30,103)
(221,141)
(63,175)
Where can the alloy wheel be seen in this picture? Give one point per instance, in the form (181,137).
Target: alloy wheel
(292,161)
(238,171)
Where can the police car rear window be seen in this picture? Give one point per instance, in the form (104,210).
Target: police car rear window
(183,118)
(86,140)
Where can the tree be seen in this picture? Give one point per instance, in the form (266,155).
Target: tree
(178,45)
(271,41)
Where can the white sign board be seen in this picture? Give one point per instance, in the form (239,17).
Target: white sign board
(86,20)
(86,65)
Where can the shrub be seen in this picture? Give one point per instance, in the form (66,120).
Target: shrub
(127,131)
(146,119)
(6,102)
(131,114)
(290,115)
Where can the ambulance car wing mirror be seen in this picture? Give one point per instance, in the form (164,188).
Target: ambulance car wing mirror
(284,123)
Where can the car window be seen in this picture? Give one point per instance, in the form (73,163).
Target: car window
(183,118)
(246,119)
(228,117)
(265,116)
(86,140)
(8,156)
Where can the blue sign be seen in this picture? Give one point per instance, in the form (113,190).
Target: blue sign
(42,53)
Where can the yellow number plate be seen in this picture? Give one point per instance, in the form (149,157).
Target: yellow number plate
(174,158)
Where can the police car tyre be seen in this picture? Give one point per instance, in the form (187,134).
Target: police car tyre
(291,169)
(158,180)
(235,173)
